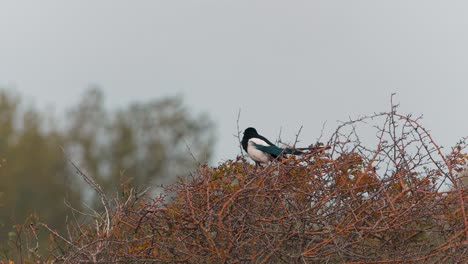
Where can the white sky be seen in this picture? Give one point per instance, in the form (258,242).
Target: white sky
(284,63)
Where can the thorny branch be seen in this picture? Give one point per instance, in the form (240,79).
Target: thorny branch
(368,199)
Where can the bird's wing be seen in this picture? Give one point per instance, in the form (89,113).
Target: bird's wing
(275,149)
(265,140)
(266,146)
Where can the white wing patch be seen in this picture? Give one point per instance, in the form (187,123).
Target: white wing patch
(255,154)
(258,141)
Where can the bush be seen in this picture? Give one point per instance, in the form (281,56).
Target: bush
(351,203)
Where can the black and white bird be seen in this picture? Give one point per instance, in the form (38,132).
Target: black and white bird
(261,150)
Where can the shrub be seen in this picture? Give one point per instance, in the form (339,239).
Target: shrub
(351,203)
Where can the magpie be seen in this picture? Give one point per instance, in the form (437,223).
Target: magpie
(261,150)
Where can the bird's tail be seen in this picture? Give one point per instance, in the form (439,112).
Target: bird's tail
(295,151)
(302,151)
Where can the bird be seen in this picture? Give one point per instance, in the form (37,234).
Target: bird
(261,150)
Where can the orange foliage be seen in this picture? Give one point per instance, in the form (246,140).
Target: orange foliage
(354,204)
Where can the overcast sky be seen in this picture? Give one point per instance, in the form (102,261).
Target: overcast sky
(283,63)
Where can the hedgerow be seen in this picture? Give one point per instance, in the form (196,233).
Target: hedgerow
(397,200)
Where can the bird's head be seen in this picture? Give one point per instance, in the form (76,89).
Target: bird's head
(250,132)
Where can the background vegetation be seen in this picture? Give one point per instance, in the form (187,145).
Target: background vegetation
(399,199)
(145,144)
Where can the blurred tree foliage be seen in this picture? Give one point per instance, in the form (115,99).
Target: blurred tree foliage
(148,143)
(144,141)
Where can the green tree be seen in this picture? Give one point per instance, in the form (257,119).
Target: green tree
(150,142)
(34,172)
(145,142)
(158,140)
